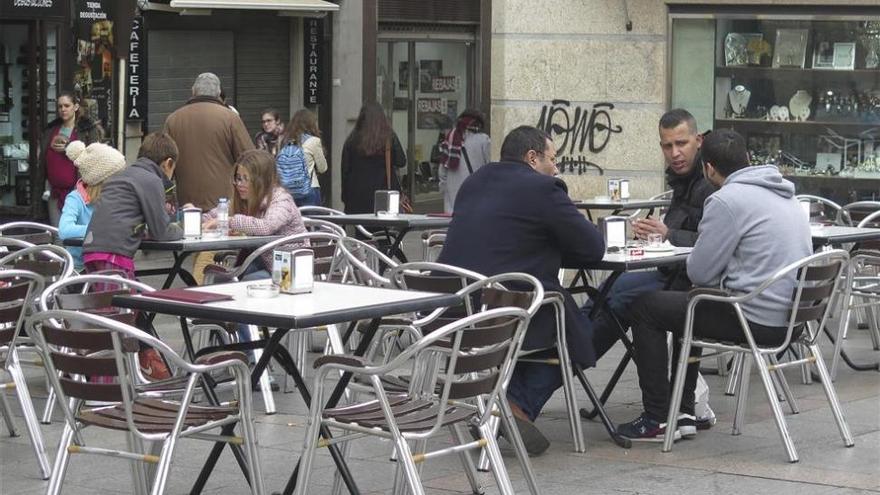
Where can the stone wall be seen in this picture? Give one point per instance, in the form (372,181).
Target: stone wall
(581,52)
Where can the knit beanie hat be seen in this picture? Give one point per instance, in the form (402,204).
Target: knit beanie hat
(96,162)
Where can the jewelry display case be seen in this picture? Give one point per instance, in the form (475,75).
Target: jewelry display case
(803,90)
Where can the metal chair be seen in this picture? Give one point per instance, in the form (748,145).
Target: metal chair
(664,195)
(17,291)
(855,213)
(432,244)
(72,340)
(33,232)
(818,279)
(823,209)
(307,211)
(317,225)
(480,358)
(51,262)
(864,294)
(364,264)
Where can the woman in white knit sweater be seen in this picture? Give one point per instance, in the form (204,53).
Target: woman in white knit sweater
(303,131)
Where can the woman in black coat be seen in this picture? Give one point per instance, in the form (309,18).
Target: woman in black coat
(363,159)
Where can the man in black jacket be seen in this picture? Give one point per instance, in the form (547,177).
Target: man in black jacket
(680,142)
(515,216)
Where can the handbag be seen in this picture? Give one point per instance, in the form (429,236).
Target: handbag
(405,203)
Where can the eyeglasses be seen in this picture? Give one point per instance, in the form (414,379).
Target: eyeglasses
(240,179)
(268,121)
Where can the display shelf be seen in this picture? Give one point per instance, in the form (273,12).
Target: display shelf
(802,127)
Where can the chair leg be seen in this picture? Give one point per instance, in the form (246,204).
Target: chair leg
(721,364)
(574,417)
(7,415)
(782,384)
(265,386)
(733,377)
(873,331)
(776,408)
(744,373)
(30,416)
(498,468)
(138,469)
(308,453)
(484,464)
(842,325)
(404,458)
(338,483)
(62,459)
(677,391)
(831,395)
(467,462)
(248,431)
(49,408)
(519,448)
(806,371)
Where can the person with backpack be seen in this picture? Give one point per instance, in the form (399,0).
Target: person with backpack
(465,149)
(301,158)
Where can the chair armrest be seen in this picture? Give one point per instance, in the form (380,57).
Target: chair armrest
(708,291)
(220,357)
(341,359)
(221,256)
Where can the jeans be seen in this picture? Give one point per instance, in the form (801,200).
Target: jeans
(532,384)
(656,313)
(313,198)
(626,289)
(253,272)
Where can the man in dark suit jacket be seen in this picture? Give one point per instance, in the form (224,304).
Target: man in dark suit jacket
(516,216)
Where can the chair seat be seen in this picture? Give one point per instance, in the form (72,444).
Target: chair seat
(152,415)
(410,414)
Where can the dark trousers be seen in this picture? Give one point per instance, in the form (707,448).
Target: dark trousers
(656,313)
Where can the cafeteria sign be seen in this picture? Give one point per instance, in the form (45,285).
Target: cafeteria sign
(136,70)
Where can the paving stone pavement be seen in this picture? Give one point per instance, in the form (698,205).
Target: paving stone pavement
(714,462)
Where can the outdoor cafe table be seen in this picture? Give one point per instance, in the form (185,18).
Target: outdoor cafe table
(618,205)
(617,263)
(181,249)
(835,236)
(395,226)
(327,304)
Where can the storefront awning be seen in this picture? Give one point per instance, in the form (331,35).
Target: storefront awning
(286,6)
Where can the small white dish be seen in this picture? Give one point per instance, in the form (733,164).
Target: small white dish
(263,290)
(662,248)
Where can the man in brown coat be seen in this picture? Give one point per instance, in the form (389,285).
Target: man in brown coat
(210,137)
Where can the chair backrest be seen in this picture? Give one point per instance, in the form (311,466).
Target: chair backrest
(9,244)
(306,239)
(364,264)
(47,260)
(664,195)
(870,220)
(317,225)
(33,232)
(17,288)
(92,294)
(308,211)
(824,209)
(79,345)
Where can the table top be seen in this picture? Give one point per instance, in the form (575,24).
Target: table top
(403,220)
(836,235)
(620,204)
(213,243)
(622,262)
(327,304)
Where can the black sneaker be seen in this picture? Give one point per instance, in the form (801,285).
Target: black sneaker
(687,425)
(645,429)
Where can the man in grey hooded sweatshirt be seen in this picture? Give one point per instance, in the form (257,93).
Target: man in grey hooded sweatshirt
(751,227)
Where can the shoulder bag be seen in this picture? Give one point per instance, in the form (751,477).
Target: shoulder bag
(405,203)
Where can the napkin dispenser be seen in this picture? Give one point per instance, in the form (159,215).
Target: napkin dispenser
(386,202)
(192,223)
(293,271)
(614,230)
(624,188)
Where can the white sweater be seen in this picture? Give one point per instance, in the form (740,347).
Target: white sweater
(314,152)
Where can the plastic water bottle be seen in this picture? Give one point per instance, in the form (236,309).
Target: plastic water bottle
(223,216)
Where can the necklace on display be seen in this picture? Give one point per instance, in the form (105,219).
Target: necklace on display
(739,100)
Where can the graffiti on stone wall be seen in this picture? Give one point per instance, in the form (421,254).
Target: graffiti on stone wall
(582,131)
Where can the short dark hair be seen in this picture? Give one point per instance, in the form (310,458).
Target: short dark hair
(676,117)
(158,146)
(726,150)
(519,141)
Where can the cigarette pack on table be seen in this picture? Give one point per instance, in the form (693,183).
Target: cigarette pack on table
(293,271)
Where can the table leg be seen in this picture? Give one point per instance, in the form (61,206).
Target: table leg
(394,250)
(337,393)
(846,359)
(606,421)
(177,270)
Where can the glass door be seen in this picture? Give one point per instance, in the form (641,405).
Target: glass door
(424,86)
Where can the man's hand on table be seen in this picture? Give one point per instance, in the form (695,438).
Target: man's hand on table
(644,226)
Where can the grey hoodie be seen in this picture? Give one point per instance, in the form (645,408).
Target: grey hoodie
(131,201)
(752,227)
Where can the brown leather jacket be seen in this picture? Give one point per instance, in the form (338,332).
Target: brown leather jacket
(210,138)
